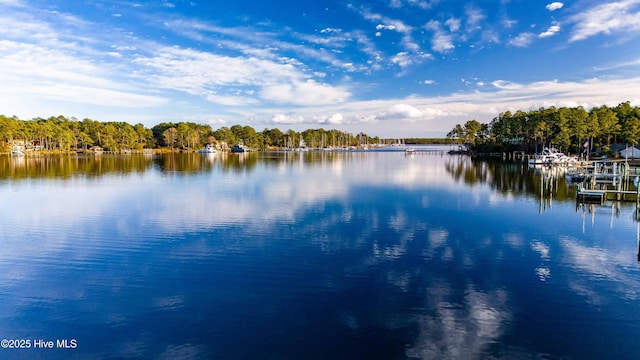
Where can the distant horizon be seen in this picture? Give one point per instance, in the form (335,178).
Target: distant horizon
(406,68)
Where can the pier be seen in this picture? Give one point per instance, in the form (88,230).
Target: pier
(610,180)
(425,151)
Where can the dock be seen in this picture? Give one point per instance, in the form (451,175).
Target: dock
(606,181)
(599,196)
(425,151)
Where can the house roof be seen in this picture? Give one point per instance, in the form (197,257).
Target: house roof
(617,148)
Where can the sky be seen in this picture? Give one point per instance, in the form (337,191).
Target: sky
(389,68)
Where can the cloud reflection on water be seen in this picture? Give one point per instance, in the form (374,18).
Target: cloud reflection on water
(354,221)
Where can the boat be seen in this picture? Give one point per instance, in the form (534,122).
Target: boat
(409,150)
(16,153)
(239,149)
(550,156)
(208,149)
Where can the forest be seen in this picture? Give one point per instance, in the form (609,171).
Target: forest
(568,129)
(62,134)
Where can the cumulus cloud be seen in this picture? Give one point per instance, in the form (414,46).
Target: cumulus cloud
(405,110)
(287,119)
(552,30)
(554,6)
(336,118)
(400,112)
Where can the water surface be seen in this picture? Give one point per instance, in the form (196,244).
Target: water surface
(376,255)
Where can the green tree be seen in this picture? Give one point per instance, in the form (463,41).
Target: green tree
(457,133)
(224,134)
(629,122)
(170,136)
(472,132)
(108,135)
(144,136)
(607,122)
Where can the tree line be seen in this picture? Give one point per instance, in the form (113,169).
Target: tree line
(568,129)
(64,134)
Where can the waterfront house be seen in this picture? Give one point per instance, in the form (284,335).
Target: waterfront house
(629,152)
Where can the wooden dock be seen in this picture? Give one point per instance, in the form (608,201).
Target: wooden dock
(600,195)
(409,151)
(611,180)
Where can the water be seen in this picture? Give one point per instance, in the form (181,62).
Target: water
(370,255)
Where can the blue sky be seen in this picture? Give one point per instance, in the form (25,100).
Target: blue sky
(388,68)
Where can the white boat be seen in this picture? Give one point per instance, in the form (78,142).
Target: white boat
(17,153)
(208,149)
(409,150)
(550,156)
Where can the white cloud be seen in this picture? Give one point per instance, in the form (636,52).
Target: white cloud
(336,118)
(474,18)
(287,119)
(505,85)
(383,22)
(441,41)
(11,2)
(419,3)
(40,73)
(508,23)
(252,42)
(329,30)
(552,30)
(56,66)
(453,24)
(306,92)
(620,16)
(402,59)
(522,40)
(440,114)
(554,6)
(385,27)
(400,112)
(405,110)
(230,100)
(201,73)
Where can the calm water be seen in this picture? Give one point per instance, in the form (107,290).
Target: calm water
(376,255)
